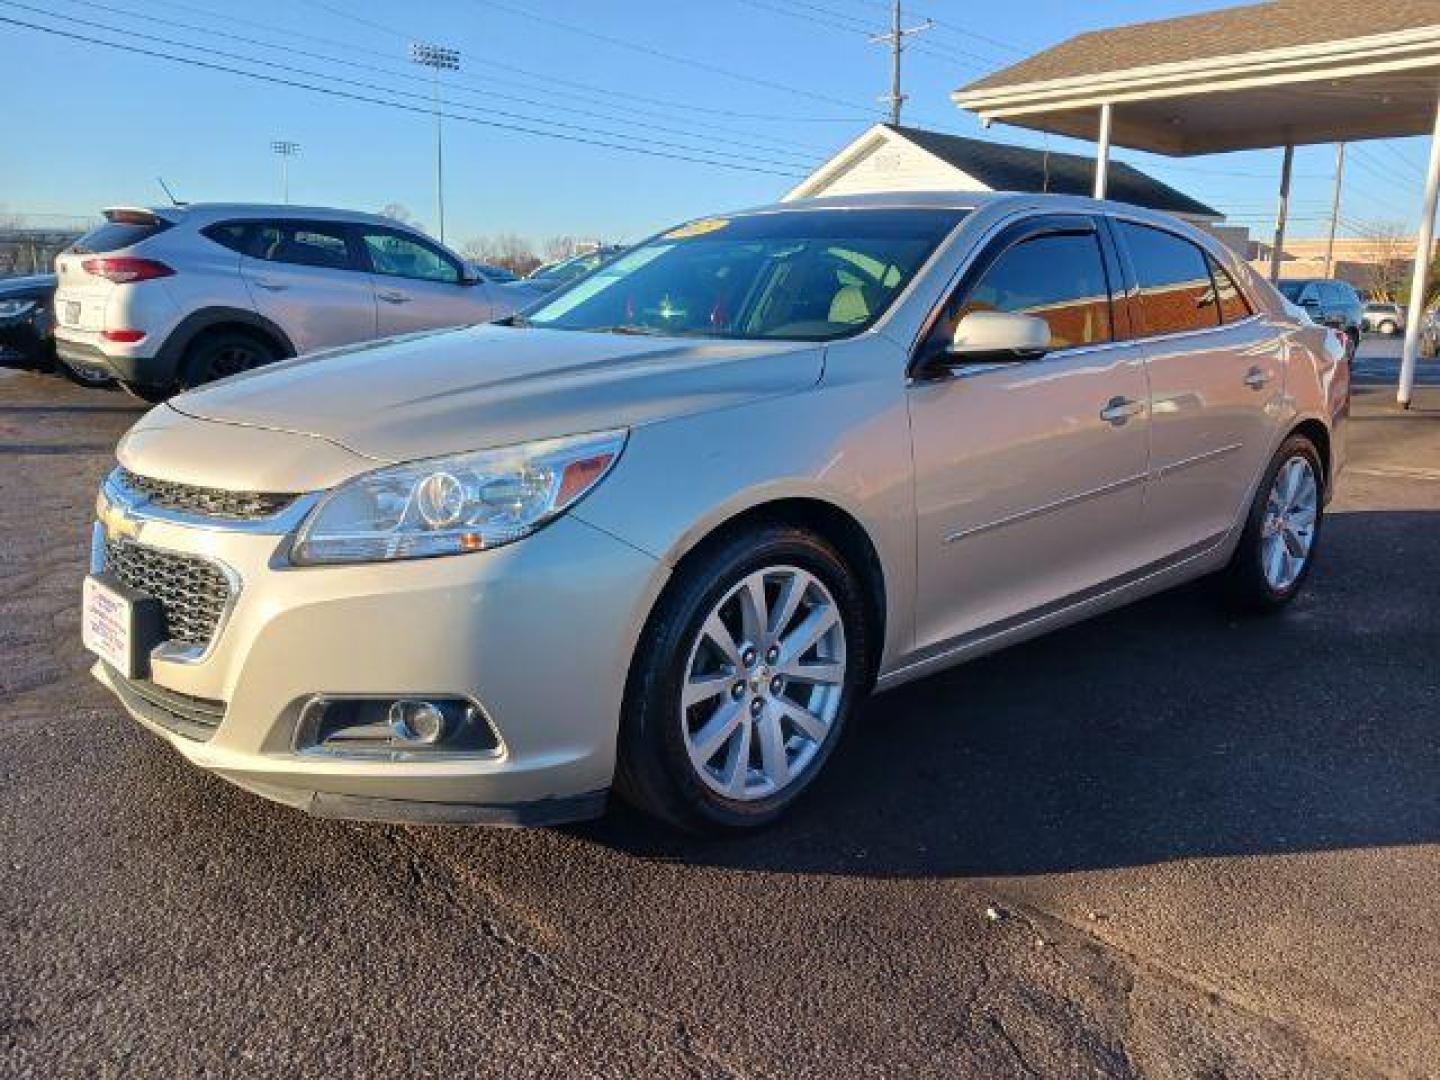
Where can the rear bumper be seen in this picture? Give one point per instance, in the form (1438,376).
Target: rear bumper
(144,370)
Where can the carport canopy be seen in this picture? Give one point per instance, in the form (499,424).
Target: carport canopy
(1277,74)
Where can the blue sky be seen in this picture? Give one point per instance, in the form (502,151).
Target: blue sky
(771,85)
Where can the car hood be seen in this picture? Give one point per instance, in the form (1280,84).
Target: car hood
(449,391)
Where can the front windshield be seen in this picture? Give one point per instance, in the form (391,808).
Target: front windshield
(1291,290)
(806,275)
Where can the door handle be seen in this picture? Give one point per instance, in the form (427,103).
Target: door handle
(1119,410)
(271,286)
(1257,378)
(394,297)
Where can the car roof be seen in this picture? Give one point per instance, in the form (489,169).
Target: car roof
(216,211)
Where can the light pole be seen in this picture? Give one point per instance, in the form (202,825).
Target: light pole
(437,58)
(286,149)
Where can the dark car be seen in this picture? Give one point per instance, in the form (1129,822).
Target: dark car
(1330,303)
(553,275)
(25,321)
(27,330)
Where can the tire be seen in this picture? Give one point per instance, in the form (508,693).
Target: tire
(1387,328)
(223,353)
(1251,580)
(663,769)
(94,378)
(1352,343)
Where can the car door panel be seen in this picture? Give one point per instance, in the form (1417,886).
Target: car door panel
(1029,476)
(418,286)
(302,276)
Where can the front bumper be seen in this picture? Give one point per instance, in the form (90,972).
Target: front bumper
(540,633)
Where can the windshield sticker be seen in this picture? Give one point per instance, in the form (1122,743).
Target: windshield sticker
(697,228)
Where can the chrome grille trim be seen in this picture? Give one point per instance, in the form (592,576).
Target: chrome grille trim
(204,501)
(196,593)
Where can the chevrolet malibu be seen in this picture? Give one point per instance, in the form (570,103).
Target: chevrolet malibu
(661,535)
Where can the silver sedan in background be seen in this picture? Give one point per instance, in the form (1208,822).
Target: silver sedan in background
(661,535)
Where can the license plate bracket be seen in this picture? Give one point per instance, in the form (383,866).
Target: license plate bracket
(72,312)
(121,625)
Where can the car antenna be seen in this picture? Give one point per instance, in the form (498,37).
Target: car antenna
(166,187)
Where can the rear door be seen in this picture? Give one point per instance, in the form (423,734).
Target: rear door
(307,278)
(419,286)
(1216,369)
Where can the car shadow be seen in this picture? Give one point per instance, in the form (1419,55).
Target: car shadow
(1167,730)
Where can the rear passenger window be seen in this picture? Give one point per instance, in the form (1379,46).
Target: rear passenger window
(303,244)
(234,235)
(1059,278)
(1176,293)
(1233,305)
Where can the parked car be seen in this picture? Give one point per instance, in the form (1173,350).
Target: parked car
(25,327)
(553,275)
(663,532)
(1330,303)
(1430,334)
(171,298)
(1387,319)
(498,274)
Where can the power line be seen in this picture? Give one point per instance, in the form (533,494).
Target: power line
(748,144)
(383,102)
(674,58)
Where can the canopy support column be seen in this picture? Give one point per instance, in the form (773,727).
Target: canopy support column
(1420,284)
(1102,153)
(1282,216)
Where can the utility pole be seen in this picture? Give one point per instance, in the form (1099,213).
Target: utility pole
(437,58)
(896,40)
(286,149)
(1335,209)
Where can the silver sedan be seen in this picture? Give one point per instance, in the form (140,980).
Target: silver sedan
(660,536)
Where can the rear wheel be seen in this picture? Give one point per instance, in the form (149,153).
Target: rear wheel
(223,353)
(1388,327)
(743,682)
(1277,548)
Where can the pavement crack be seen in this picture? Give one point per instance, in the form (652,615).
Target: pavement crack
(425,873)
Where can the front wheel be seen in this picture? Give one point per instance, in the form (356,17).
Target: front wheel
(1277,548)
(219,355)
(743,682)
(1387,328)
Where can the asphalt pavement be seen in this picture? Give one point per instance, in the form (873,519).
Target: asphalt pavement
(1164,843)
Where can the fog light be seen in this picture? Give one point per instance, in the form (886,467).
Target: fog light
(417,722)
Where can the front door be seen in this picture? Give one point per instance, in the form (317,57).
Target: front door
(420,287)
(1029,476)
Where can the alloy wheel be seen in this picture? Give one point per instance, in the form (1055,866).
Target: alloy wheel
(763,683)
(1288,532)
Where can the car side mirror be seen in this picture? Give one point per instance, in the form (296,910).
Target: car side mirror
(997,337)
(470,276)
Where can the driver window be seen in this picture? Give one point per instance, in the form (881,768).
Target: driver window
(1059,277)
(400,256)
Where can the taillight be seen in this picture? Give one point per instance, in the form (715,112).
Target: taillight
(125,271)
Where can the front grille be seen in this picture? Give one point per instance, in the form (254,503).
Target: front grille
(207,502)
(193,591)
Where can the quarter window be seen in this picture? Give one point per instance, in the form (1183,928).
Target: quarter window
(1176,293)
(400,256)
(303,244)
(1233,305)
(1059,277)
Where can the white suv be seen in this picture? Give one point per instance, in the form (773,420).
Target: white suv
(171,298)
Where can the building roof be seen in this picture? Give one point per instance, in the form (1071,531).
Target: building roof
(1279,24)
(1005,167)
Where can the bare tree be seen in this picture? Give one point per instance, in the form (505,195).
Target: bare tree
(512,252)
(558,247)
(1389,259)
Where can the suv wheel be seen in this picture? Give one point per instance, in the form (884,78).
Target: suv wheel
(1277,548)
(227,352)
(1388,327)
(743,682)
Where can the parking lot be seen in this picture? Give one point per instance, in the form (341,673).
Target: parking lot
(1166,842)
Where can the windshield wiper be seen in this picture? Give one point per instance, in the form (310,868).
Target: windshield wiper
(627,328)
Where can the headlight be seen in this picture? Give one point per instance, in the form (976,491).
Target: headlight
(451,505)
(12,309)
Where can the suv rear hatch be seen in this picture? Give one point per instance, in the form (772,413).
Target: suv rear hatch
(81,296)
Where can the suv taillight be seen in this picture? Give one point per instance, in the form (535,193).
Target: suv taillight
(123,271)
